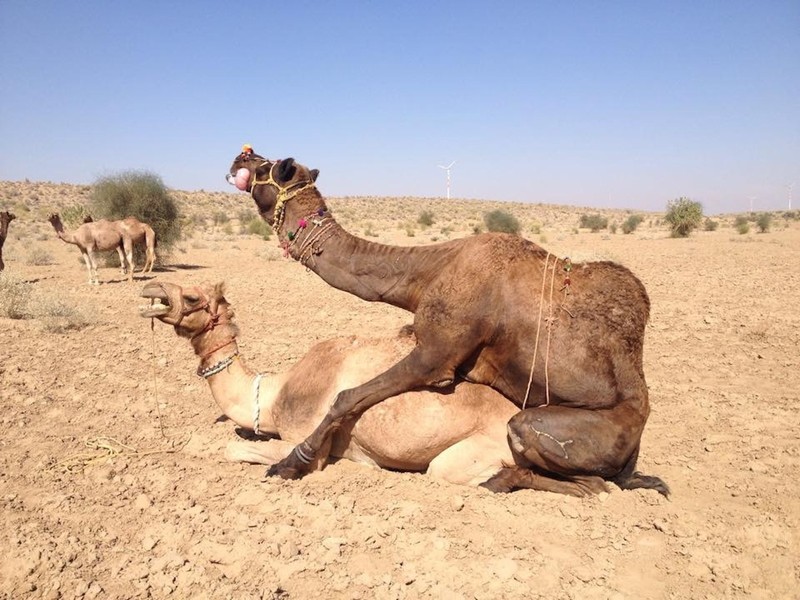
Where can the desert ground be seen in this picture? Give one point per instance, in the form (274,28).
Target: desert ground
(113,482)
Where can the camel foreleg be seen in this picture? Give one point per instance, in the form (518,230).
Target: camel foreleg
(91,267)
(417,369)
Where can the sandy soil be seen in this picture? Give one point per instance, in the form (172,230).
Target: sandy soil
(113,484)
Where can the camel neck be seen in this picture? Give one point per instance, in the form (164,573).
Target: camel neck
(234,391)
(396,275)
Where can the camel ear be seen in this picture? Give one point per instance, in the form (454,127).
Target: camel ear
(314,174)
(219,291)
(286,169)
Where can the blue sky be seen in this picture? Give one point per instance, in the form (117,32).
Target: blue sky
(607,104)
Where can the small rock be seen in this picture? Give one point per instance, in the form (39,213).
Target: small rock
(149,543)
(457,503)
(142,502)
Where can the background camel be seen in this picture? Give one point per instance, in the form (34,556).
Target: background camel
(93,236)
(458,434)
(486,309)
(141,234)
(5,218)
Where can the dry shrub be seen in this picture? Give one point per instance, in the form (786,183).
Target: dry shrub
(19,300)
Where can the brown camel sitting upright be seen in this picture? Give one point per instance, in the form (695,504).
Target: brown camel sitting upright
(563,341)
(140,233)
(99,235)
(458,435)
(5,219)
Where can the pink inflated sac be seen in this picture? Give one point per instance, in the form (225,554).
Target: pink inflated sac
(242,179)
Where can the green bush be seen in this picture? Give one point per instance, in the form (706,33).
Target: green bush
(139,194)
(710,225)
(594,222)
(742,224)
(501,221)
(764,222)
(73,216)
(426,218)
(631,223)
(683,216)
(259,227)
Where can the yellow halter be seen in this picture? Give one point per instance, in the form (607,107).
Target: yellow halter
(284,194)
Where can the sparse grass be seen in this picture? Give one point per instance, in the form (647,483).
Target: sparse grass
(19,300)
(260,228)
(40,257)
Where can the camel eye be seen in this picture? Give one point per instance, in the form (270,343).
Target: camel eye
(192,298)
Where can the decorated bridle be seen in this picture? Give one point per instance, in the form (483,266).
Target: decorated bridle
(285,193)
(214,320)
(323,224)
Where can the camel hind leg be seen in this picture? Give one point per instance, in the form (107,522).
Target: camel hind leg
(572,443)
(516,477)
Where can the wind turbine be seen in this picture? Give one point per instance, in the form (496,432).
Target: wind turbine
(447,168)
(790,186)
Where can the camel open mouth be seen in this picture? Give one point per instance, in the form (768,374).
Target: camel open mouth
(159,301)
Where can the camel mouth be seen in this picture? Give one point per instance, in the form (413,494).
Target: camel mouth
(159,302)
(240,180)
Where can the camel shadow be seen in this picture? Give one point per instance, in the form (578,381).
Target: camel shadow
(179,267)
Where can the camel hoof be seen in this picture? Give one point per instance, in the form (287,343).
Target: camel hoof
(288,468)
(283,473)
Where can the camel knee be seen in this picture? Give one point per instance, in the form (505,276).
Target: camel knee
(569,441)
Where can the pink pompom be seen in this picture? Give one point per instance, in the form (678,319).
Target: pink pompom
(242,179)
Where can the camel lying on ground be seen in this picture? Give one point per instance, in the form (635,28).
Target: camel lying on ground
(140,233)
(97,236)
(457,434)
(5,219)
(563,341)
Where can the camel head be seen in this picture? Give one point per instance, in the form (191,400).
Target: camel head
(192,311)
(265,179)
(55,221)
(6,217)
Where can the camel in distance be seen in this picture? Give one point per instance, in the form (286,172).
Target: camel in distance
(141,234)
(97,236)
(5,220)
(457,435)
(486,310)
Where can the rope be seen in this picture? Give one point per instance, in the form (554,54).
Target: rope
(538,329)
(549,330)
(106,448)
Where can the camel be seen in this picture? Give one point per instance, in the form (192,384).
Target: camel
(140,233)
(93,236)
(5,219)
(457,435)
(487,310)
